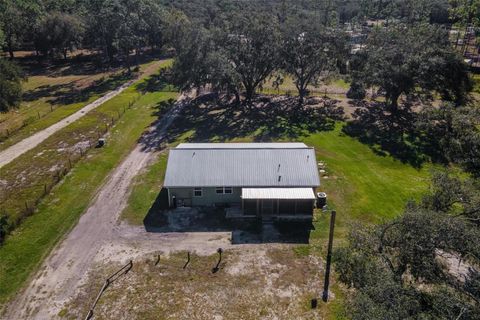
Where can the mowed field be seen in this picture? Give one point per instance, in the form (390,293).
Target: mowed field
(262,280)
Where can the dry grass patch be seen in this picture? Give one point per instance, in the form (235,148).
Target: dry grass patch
(254,282)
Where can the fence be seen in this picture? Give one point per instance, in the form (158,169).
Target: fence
(126,268)
(29,206)
(5,134)
(122,271)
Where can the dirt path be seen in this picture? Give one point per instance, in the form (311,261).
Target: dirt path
(9,154)
(67,265)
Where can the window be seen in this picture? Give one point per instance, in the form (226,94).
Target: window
(197,192)
(223,190)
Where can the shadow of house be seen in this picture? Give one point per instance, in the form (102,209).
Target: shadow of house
(160,219)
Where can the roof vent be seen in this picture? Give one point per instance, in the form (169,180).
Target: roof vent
(193,155)
(278,167)
(279,178)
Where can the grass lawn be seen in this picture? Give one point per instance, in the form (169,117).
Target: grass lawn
(48,99)
(28,245)
(476,83)
(334,86)
(361,185)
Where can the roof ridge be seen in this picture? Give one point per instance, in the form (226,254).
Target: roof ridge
(266,148)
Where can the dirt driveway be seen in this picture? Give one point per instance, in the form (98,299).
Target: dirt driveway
(98,228)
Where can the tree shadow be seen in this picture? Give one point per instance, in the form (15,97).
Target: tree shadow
(154,138)
(265,119)
(387,134)
(160,219)
(65,94)
(157,83)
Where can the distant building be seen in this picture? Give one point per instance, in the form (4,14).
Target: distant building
(249,179)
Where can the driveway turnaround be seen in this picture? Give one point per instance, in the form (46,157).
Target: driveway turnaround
(66,266)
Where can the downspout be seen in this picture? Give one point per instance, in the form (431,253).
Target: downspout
(168,193)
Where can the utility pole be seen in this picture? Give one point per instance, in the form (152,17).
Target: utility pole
(329,257)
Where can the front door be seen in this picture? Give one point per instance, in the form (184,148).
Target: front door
(267,207)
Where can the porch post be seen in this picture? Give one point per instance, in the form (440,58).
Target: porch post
(295,211)
(278,207)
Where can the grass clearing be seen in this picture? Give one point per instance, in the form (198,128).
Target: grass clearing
(27,246)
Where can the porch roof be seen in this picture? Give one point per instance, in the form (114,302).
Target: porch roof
(278,193)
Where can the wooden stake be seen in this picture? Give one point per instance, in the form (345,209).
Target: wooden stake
(329,257)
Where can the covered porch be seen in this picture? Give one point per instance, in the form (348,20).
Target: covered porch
(280,203)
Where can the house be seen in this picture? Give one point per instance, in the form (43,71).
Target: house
(249,179)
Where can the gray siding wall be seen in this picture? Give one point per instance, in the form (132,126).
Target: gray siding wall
(209,196)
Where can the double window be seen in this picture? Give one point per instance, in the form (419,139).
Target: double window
(197,192)
(224,190)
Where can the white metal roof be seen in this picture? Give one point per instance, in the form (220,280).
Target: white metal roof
(250,166)
(241,145)
(278,193)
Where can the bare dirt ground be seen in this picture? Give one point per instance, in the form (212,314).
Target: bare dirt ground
(98,228)
(261,281)
(9,154)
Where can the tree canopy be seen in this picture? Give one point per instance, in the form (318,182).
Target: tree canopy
(10,85)
(406,268)
(412,61)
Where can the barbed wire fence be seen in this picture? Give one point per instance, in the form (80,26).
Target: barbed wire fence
(43,189)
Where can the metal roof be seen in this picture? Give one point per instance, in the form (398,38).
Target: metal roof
(249,166)
(241,145)
(278,193)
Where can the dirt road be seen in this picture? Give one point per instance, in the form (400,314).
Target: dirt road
(9,154)
(67,265)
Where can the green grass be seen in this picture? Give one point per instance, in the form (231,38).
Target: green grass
(44,111)
(476,83)
(288,87)
(361,185)
(29,244)
(145,190)
(25,179)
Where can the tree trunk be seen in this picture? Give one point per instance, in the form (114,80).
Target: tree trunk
(249,92)
(10,49)
(302,93)
(128,61)
(237,97)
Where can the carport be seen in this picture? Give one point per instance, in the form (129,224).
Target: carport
(278,201)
